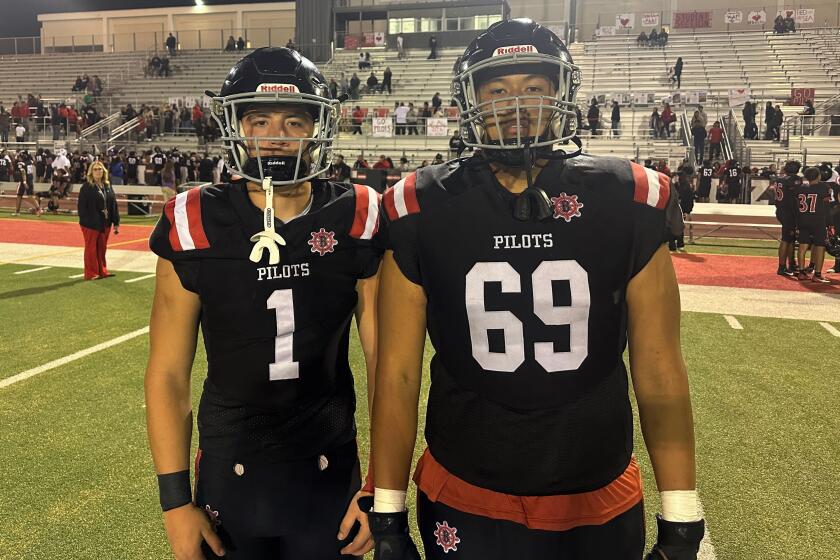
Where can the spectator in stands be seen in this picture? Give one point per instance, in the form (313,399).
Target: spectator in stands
(769,119)
(116,171)
(668,117)
(6,125)
(333,88)
(662,167)
(77,85)
(456,145)
(715,138)
(808,117)
(405,166)
(790,25)
(205,169)
(436,102)
(642,39)
(432,48)
(240,43)
(593,117)
(663,38)
(372,83)
(411,120)
(290,44)
(344,83)
(438,159)
(164,67)
(424,163)
(653,38)
(779,25)
(777,123)
(338,170)
(386,80)
(676,75)
(615,119)
(171,43)
(425,115)
(400,46)
(382,163)
(153,67)
(354,86)
(750,128)
(698,133)
(686,194)
(197,114)
(361,163)
(20,133)
(167,180)
(401,116)
(361,62)
(98,211)
(231,44)
(358,119)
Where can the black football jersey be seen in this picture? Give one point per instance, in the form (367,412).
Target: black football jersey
(812,203)
(529,391)
(786,195)
(705,174)
(276,336)
(158,160)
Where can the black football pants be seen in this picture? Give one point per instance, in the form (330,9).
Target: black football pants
(285,511)
(449,534)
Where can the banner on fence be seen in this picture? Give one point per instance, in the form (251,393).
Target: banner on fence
(383,127)
(351,42)
(733,16)
(692,20)
(805,15)
(644,98)
(437,126)
(650,19)
(697,97)
(798,96)
(605,30)
(737,97)
(757,18)
(625,21)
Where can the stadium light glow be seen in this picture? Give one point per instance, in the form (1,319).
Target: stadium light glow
(199,3)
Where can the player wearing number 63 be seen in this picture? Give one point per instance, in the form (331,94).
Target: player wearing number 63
(532,267)
(273,267)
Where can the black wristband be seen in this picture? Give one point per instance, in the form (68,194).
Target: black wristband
(174,489)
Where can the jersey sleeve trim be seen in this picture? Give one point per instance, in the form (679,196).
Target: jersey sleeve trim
(401,199)
(186,231)
(366,220)
(651,187)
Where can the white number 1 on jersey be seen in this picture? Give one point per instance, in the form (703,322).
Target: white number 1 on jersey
(576,315)
(284,367)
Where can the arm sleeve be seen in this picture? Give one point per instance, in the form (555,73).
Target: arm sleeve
(653,227)
(186,266)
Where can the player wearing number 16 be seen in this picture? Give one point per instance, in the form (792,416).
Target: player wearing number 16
(272,267)
(532,267)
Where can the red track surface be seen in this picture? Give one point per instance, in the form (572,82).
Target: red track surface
(698,269)
(68,234)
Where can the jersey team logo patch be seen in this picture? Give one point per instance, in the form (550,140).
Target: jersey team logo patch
(566,206)
(322,242)
(446,536)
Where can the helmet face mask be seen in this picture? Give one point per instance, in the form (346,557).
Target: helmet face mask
(272,80)
(516,49)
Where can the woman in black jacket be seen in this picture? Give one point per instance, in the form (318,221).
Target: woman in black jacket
(97,213)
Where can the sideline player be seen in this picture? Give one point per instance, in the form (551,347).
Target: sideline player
(813,200)
(705,174)
(786,188)
(531,268)
(277,471)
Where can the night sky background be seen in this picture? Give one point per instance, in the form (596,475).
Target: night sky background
(20,17)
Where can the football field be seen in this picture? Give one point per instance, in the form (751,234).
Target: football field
(76,478)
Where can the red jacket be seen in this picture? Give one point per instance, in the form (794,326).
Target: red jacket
(715,135)
(381,165)
(197,113)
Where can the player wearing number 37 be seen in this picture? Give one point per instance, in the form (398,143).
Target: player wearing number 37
(272,267)
(532,267)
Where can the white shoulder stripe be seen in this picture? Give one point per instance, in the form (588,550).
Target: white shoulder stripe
(653,187)
(399,199)
(372,214)
(182,224)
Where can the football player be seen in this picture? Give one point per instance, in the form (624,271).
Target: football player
(273,267)
(813,198)
(531,266)
(705,182)
(786,188)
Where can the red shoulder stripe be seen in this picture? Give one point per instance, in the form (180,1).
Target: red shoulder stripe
(650,187)
(194,219)
(169,212)
(388,202)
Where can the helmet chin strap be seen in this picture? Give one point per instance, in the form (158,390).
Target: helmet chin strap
(532,204)
(267,239)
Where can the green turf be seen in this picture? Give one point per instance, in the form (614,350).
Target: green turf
(77,480)
(124,219)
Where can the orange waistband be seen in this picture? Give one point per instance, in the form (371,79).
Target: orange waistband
(549,513)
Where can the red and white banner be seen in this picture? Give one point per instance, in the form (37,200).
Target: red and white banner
(437,126)
(738,97)
(805,15)
(383,127)
(625,21)
(757,18)
(798,96)
(650,19)
(692,20)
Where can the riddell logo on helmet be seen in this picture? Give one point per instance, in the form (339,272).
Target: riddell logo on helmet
(277,88)
(515,49)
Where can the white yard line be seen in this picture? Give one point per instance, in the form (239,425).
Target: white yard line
(140,278)
(82,275)
(72,357)
(40,268)
(733,322)
(830,328)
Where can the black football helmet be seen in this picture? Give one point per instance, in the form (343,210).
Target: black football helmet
(518,46)
(276,76)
